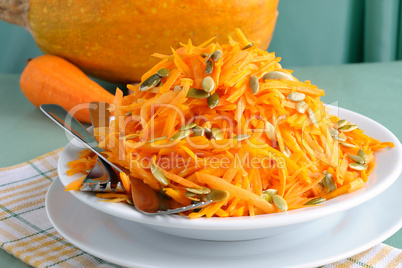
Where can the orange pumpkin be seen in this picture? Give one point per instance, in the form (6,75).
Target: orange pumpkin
(113,40)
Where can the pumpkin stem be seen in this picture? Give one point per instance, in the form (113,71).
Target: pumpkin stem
(16,12)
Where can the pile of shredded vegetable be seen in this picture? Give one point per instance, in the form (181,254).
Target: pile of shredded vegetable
(228,121)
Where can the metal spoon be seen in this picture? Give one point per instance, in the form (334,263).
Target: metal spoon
(141,192)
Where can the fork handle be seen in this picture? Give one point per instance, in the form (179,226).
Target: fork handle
(65,120)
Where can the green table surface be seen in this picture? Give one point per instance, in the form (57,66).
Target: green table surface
(373,89)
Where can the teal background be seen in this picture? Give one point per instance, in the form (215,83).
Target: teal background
(332,32)
(308,33)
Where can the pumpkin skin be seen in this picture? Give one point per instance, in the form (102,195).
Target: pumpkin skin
(114,40)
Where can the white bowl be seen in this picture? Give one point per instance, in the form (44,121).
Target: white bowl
(387,170)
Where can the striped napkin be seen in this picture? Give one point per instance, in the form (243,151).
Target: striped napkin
(26,232)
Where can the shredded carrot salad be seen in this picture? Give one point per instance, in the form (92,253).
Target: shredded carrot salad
(256,133)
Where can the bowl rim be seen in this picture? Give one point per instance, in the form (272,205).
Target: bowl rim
(376,184)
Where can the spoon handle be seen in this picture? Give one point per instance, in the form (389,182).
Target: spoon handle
(65,120)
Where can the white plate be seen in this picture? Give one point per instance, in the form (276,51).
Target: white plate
(132,244)
(388,168)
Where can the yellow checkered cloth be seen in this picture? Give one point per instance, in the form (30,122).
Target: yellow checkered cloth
(26,232)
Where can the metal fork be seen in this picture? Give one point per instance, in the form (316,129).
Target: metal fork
(65,120)
(101,179)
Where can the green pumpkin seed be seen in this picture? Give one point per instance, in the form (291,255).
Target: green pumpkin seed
(188,194)
(277,75)
(213,100)
(313,117)
(339,138)
(363,155)
(150,82)
(271,192)
(163,72)
(209,67)
(356,158)
(329,182)
(177,88)
(202,190)
(207,58)
(270,131)
(347,128)
(241,137)
(267,198)
(128,113)
(158,175)
(254,84)
(198,131)
(216,55)
(341,123)
(301,107)
(157,139)
(181,135)
(315,201)
(208,84)
(197,93)
(248,46)
(333,132)
(188,126)
(192,196)
(280,202)
(345,144)
(357,166)
(217,134)
(217,195)
(296,96)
